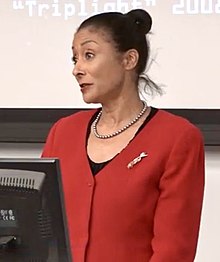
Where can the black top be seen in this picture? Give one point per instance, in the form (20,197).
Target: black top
(96,167)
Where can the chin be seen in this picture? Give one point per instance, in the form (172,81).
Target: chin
(90,100)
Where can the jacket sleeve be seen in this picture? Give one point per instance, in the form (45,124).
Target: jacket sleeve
(178,211)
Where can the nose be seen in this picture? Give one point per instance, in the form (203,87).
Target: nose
(78,70)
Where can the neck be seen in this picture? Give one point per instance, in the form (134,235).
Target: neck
(116,113)
(121,129)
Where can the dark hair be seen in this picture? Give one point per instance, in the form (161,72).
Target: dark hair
(127,31)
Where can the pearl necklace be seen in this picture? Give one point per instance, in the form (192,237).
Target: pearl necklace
(94,125)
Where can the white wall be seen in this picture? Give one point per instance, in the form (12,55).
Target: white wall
(208,246)
(20,150)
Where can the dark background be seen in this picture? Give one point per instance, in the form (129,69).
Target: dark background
(32,125)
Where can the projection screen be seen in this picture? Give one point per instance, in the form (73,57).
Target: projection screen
(35,51)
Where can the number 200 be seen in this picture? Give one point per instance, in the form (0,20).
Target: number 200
(196,7)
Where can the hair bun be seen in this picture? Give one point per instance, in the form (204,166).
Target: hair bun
(142,19)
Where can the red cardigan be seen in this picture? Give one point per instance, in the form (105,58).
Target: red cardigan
(147,213)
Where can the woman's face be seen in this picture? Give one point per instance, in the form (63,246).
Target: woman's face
(98,66)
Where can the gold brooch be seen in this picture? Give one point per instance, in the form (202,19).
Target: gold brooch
(136,160)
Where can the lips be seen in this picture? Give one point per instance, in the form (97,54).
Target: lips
(84,86)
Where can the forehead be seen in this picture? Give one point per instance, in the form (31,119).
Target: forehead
(88,34)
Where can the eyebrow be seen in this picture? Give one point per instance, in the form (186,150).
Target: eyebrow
(86,42)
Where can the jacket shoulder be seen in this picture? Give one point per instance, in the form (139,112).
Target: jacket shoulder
(173,121)
(175,127)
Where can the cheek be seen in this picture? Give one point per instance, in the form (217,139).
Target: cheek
(112,70)
(107,70)
(115,80)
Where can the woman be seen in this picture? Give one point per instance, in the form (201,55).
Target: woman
(133,175)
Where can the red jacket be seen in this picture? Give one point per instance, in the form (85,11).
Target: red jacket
(147,213)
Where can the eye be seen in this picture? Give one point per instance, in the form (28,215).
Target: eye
(74,60)
(89,55)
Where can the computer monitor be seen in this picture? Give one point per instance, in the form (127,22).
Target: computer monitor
(33,226)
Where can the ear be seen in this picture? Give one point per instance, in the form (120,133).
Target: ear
(130,59)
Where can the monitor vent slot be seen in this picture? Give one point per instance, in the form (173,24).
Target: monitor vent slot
(17,182)
(44,221)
